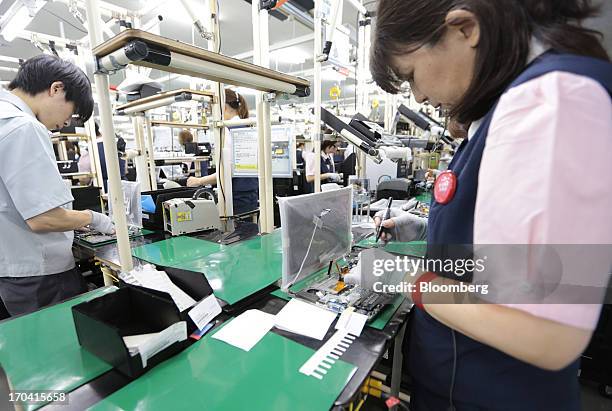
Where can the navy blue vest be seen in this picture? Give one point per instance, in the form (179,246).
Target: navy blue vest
(486,378)
(245,194)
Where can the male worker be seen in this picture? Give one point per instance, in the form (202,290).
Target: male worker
(36,225)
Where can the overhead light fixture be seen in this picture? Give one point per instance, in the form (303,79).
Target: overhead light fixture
(330,74)
(18,16)
(245,91)
(8,59)
(19,21)
(293,55)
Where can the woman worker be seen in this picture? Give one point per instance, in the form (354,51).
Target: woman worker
(534,87)
(245,190)
(328,168)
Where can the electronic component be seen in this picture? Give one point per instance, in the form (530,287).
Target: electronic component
(188,215)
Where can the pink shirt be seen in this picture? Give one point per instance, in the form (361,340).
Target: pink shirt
(545,176)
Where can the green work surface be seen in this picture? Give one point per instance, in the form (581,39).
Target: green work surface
(413,248)
(424,198)
(242,269)
(213,375)
(175,250)
(379,322)
(40,351)
(234,272)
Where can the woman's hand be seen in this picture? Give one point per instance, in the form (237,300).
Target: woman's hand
(193,182)
(402,226)
(388,224)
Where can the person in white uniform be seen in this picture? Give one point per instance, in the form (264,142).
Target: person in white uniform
(245,190)
(36,223)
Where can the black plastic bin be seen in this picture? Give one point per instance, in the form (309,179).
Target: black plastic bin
(102,323)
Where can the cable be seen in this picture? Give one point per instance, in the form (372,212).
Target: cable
(451,406)
(317,222)
(305,257)
(65,21)
(218,24)
(361,402)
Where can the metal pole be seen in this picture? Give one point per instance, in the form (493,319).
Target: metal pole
(110,148)
(261,48)
(142,173)
(362,73)
(224,177)
(269,211)
(90,130)
(255,20)
(316,128)
(150,151)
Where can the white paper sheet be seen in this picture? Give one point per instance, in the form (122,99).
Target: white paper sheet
(351,322)
(205,311)
(150,344)
(305,319)
(148,277)
(246,330)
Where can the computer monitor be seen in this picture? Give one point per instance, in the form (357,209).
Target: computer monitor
(316,229)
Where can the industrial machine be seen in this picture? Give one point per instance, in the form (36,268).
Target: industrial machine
(189,215)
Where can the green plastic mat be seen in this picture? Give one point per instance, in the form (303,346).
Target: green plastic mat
(213,375)
(175,250)
(379,322)
(242,269)
(234,272)
(424,198)
(40,351)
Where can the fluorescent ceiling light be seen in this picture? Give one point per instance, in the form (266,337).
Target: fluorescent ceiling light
(19,22)
(332,75)
(8,59)
(293,55)
(245,91)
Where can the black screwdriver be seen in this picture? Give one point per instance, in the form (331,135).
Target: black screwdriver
(387,215)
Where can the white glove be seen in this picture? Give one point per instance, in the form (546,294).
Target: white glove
(406,227)
(335,177)
(101,223)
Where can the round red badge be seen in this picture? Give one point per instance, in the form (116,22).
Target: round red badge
(444,189)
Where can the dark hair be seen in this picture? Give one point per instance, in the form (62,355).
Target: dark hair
(237,102)
(506,27)
(301,144)
(325,144)
(185,136)
(36,75)
(97,127)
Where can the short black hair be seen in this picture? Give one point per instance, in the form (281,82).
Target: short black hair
(38,73)
(325,144)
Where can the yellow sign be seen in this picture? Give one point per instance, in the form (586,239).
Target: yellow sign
(183,216)
(334,92)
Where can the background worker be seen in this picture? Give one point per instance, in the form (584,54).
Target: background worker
(245,190)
